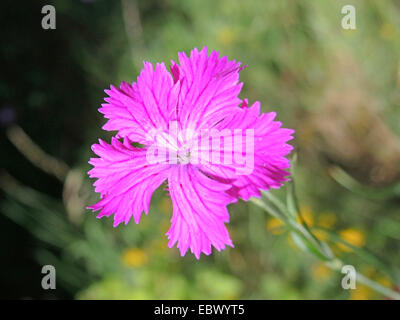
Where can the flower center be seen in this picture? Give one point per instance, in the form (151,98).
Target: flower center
(183,155)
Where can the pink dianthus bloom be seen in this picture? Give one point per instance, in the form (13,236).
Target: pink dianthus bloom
(175,116)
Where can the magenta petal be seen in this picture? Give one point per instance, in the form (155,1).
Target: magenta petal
(199,211)
(169,112)
(125,180)
(137,109)
(269,169)
(210,88)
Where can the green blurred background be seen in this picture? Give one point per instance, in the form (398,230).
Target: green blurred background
(340,90)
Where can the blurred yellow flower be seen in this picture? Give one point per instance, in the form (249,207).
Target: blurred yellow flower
(320,271)
(327,220)
(225,36)
(320,234)
(275,226)
(352,236)
(361,293)
(307,216)
(134,257)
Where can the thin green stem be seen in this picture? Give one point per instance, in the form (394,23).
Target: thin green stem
(336,265)
(320,251)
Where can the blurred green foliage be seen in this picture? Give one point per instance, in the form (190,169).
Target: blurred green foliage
(340,90)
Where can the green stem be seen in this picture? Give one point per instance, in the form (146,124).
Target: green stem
(336,265)
(333,262)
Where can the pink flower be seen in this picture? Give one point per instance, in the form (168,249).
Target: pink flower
(176,116)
